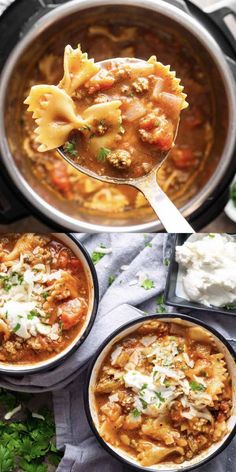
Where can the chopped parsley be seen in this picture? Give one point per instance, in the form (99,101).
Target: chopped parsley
(45,295)
(144,403)
(9,281)
(144,386)
(166,383)
(69,147)
(233,193)
(17,327)
(230,306)
(111,279)
(196,387)
(203,373)
(97,256)
(160,308)
(32,314)
(147,243)
(160,397)
(147,284)
(85,128)
(135,412)
(102,154)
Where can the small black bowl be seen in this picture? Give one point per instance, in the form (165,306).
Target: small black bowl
(170,297)
(94,369)
(18,370)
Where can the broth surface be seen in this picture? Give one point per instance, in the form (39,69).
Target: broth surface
(184,173)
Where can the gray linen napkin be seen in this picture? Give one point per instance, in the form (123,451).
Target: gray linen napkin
(139,252)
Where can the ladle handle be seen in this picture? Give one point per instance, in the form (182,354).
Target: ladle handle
(166,211)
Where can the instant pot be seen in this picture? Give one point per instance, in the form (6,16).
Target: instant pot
(26,24)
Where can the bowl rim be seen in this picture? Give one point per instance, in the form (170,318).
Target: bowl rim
(190,23)
(119,330)
(50,363)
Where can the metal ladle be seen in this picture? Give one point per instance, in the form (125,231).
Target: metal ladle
(171,218)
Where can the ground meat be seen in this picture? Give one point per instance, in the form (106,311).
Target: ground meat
(101,127)
(141,85)
(120,159)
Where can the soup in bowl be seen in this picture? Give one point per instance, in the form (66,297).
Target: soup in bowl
(48,300)
(160,393)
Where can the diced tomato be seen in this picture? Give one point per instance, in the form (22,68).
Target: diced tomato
(71,312)
(73,264)
(183,157)
(63,259)
(60,177)
(193,118)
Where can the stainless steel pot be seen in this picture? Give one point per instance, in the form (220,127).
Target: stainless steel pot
(78,10)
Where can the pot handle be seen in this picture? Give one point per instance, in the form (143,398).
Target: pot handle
(11,207)
(223,13)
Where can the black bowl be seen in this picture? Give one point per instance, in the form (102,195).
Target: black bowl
(77,248)
(102,352)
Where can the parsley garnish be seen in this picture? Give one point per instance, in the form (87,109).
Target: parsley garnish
(17,327)
(196,387)
(111,279)
(32,314)
(136,413)
(85,128)
(102,154)
(144,403)
(45,295)
(26,444)
(97,256)
(160,397)
(147,284)
(9,281)
(69,147)
(160,308)
(233,193)
(230,306)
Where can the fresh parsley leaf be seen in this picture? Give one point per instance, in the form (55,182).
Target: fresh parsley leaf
(33,466)
(196,387)
(8,400)
(160,308)
(9,281)
(102,154)
(233,193)
(45,295)
(7,460)
(136,413)
(32,314)
(111,279)
(147,284)
(230,306)
(69,147)
(160,397)
(17,327)
(97,256)
(144,403)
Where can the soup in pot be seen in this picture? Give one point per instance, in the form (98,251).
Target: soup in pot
(183,174)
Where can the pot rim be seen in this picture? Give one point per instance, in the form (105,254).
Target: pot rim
(51,363)
(185,20)
(108,340)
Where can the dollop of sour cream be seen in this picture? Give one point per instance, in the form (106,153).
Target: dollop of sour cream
(208,269)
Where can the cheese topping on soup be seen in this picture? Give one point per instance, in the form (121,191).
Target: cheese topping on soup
(43,297)
(163,394)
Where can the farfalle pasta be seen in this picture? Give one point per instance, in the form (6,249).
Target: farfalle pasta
(163,394)
(117,119)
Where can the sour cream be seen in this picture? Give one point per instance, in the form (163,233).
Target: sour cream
(207,274)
